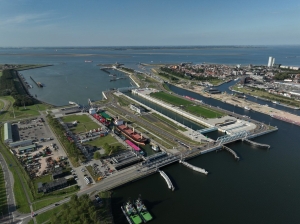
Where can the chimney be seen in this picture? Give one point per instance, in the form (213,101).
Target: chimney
(133,130)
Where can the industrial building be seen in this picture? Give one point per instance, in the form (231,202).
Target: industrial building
(7,133)
(20,143)
(137,108)
(28,148)
(52,186)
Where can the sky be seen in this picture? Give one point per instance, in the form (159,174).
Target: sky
(46,23)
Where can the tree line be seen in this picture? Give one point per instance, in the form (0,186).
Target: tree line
(80,210)
(183,76)
(73,152)
(8,87)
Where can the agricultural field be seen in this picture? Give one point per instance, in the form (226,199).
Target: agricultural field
(84,123)
(187,105)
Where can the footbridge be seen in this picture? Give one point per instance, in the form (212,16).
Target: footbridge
(256,144)
(232,152)
(206,130)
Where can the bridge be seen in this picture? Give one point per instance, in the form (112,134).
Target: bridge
(231,138)
(206,130)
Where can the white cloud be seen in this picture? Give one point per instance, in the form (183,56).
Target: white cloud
(25,18)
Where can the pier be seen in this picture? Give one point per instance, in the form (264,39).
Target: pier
(198,169)
(167,179)
(105,69)
(256,144)
(37,83)
(232,152)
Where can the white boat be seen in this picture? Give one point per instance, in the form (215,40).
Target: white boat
(247,108)
(236,79)
(72,103)
(275,102)
(155,148)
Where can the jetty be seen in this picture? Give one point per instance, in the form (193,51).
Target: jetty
(105,69)
(198,169)
(167,179)
(37,83)
(232,152)
(256,144)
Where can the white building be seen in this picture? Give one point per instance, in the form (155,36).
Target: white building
(7,133)
(137,108)
(271,61)
(92,111)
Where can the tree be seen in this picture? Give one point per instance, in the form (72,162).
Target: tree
(97,155)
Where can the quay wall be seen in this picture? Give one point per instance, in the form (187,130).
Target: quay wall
(174,109)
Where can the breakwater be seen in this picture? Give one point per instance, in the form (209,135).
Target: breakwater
(167,179)
(198,169)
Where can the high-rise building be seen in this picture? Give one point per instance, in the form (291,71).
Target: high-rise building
(273,61)
(270,61)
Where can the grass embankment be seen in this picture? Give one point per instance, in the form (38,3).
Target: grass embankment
(26,67)
(169,122)
(187,105)
(20,196)
(48,214)
(266,95)
(84,124)
(3,196)
(11,113)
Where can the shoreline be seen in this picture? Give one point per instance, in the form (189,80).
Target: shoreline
(242,103)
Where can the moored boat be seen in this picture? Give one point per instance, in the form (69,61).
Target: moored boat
(155,147)
(142,210)
(247,108)
(132,213)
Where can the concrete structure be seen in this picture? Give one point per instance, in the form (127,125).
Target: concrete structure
(137,108)
(20,143)
(28,148)
(7,133)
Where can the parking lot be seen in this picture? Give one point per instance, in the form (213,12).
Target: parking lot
(48,152)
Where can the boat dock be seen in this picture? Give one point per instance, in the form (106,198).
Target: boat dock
(232,152)
(37,83)
(256,144)
(167,179)
(105,69)
(124,212)
(198,169)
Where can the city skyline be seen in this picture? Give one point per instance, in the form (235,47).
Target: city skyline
(28,23)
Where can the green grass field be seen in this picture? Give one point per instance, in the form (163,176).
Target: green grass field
(20,112)
(47,215)
(3,199)
(187,105)
(84,123)
(110,140)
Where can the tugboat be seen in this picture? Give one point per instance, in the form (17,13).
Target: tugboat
(142,210)
(132,213)
(155,147)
